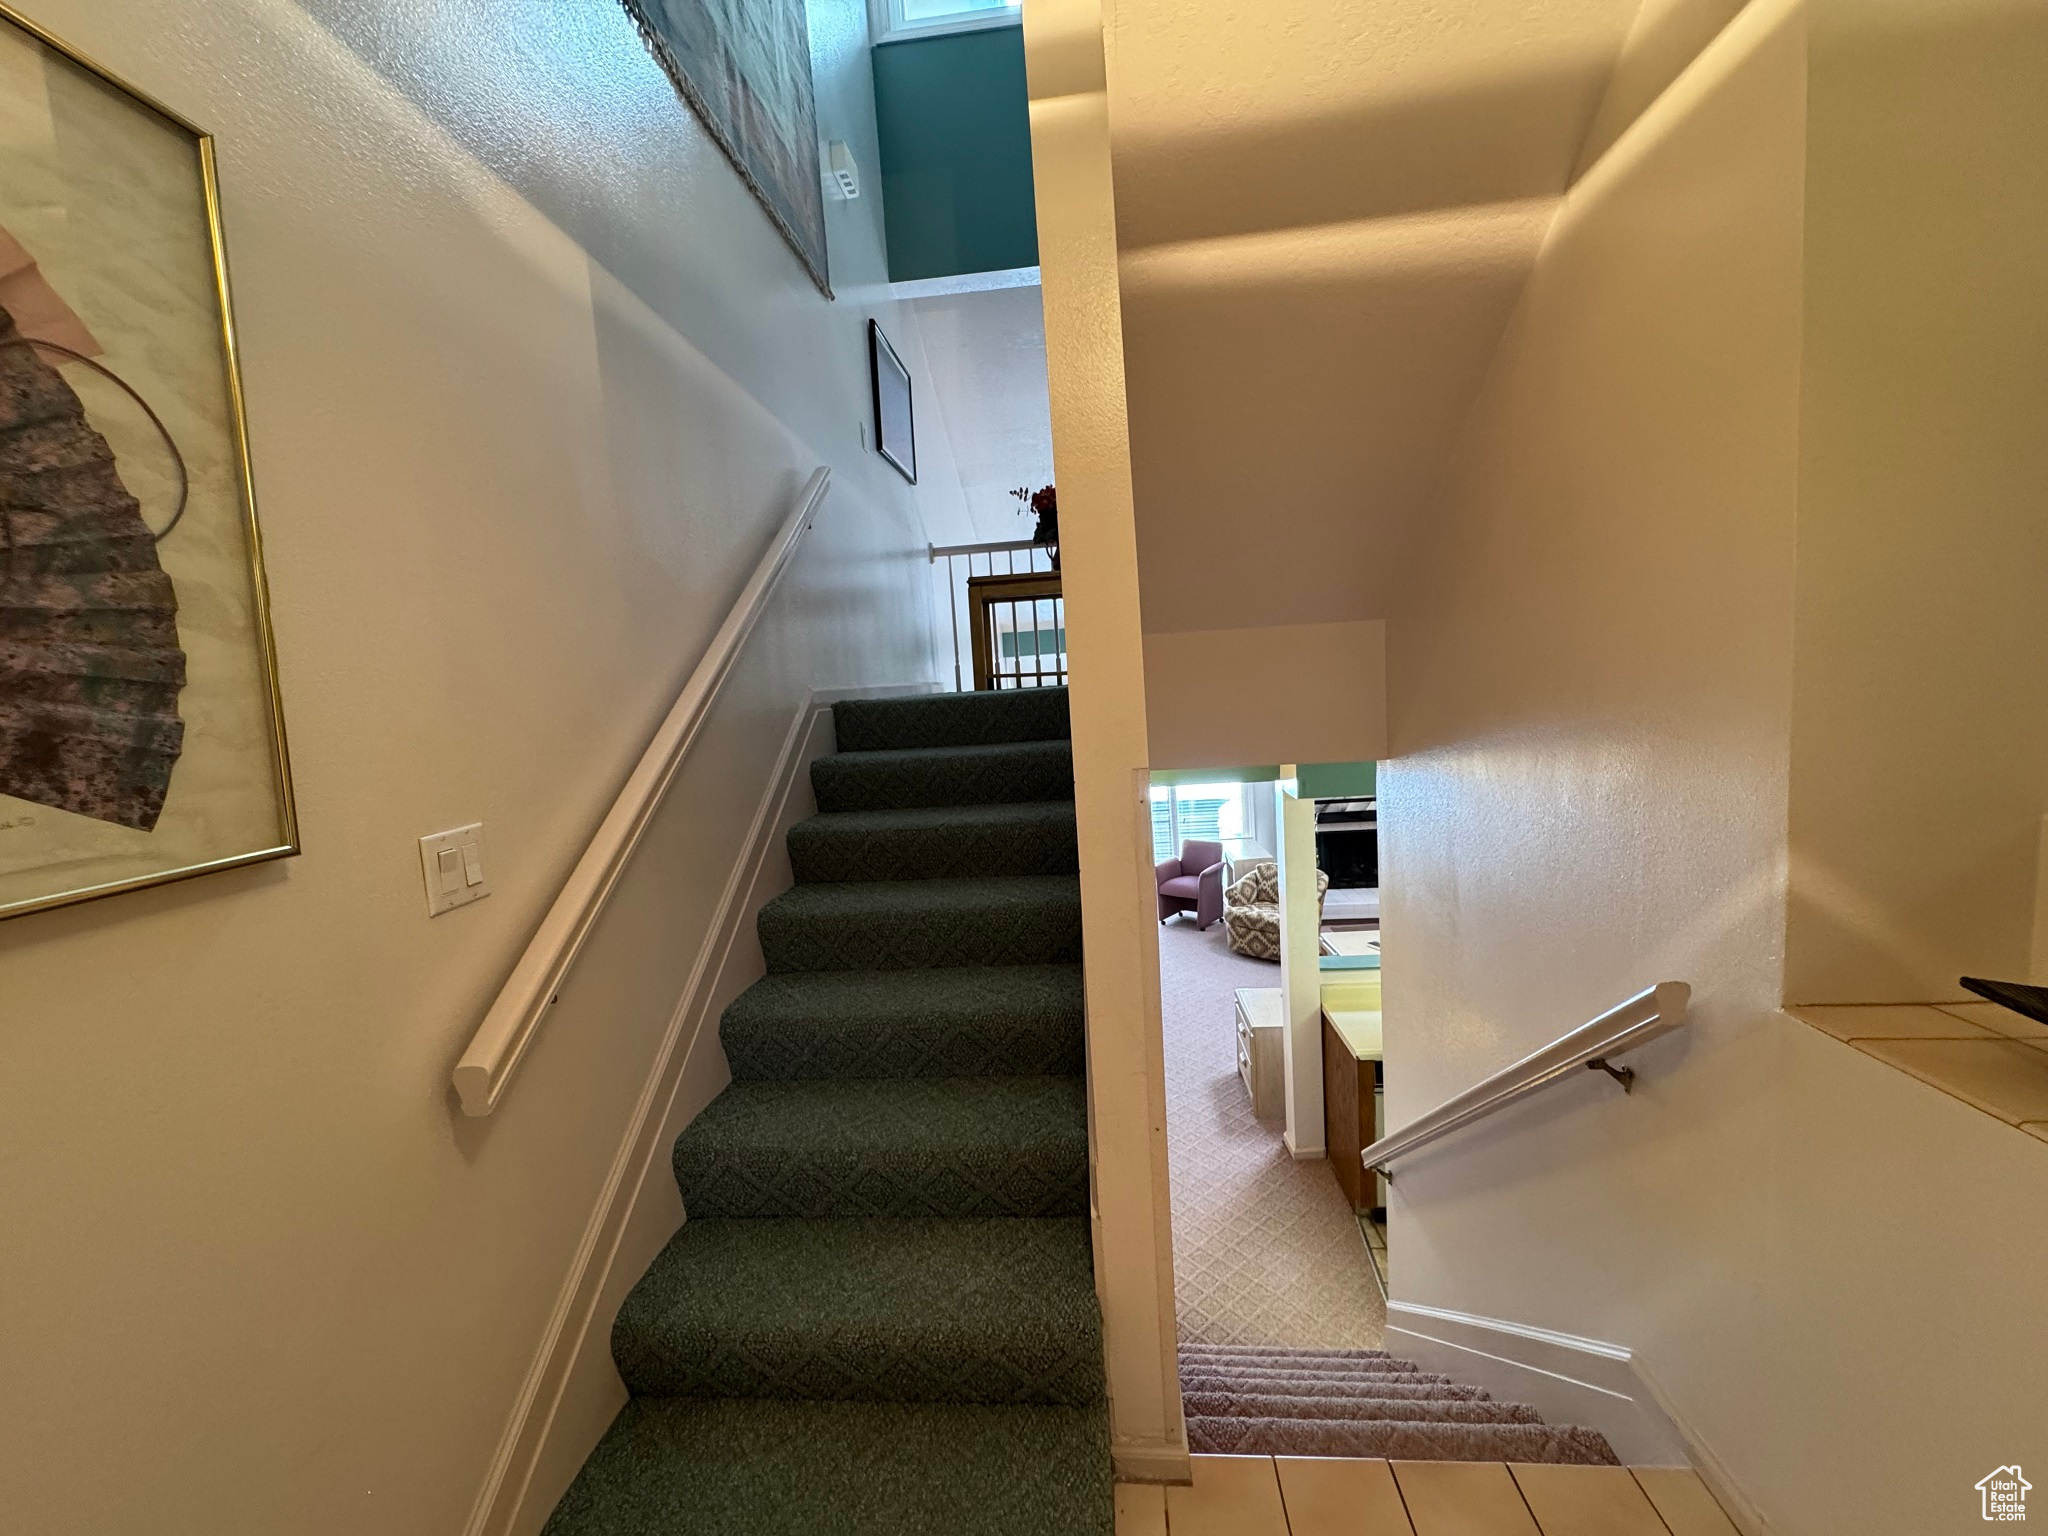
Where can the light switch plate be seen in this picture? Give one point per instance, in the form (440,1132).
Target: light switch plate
(452,863)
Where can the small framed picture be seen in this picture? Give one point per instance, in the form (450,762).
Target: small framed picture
(895,422)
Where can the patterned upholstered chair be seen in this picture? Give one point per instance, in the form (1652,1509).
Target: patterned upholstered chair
(1251,911)
(1192,883)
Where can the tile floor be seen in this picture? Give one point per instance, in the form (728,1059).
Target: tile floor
(1991,1058)
(1329,1496)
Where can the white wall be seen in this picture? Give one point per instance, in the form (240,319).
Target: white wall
(1275,693)
(986,352)
(1325,214)
(1131,1219)
(531,380)
(1920,762)
(1827,1270)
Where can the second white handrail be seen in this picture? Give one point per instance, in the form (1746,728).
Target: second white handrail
(510,1025)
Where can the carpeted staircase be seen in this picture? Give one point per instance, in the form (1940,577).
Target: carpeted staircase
(1248,1399)
(880,1315)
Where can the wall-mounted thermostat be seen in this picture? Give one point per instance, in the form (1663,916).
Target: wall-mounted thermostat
(842,174)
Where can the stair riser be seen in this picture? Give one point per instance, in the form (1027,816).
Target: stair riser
(1017,776)
(1017,1021)
(930,1373)
(950,719)
(1300,1386)
(1042,933)
(1029,1181)
(1360,1410)
(820,855)
(945,1355)
(933,1047)
(1389,1391)
(1398,1441)
(1290,1352)
(1362,1371)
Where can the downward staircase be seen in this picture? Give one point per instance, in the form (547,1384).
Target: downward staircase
(1248,1399)
(880,1314)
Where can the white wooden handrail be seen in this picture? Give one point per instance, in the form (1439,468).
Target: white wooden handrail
(514,1018)
(1650,1013)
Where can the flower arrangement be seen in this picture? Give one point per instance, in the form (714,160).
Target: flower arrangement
(1044,505)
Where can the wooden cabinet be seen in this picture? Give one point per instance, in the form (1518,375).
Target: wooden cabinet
(1350,1115)
(1260,1019)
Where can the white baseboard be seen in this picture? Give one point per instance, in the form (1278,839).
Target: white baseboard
(1150,1461)
(1736,1504)
(572,1390)
(1568,1380)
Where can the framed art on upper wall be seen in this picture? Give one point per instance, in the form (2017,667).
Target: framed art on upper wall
(744,67)
(141,734)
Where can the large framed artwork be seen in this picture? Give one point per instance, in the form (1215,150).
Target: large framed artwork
(141,737)
(744,66)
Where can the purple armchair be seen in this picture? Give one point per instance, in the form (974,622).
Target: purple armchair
(1193,883)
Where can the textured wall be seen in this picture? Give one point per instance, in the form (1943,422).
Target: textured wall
(1593,722)
(531,381)
(1325,214)
(1589,695)
(1920,762)
(1279,693)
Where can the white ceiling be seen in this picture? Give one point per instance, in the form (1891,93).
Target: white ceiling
(1326,214)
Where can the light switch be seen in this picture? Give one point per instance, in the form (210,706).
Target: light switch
(453,864)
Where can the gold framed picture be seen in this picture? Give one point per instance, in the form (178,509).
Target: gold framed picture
(141,732)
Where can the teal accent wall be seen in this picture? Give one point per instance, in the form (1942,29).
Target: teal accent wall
(1313,781)
(1266,775)
(1336,781)
(955,128)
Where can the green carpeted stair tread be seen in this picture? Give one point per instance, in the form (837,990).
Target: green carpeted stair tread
(923,924)
(1004,774)
(670,1466)
(1034,837)
(996,1311)
(926,1147)
(961,1021)
(950,719)
(880,1314)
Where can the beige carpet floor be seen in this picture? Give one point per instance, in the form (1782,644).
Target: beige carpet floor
(1265,1250)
